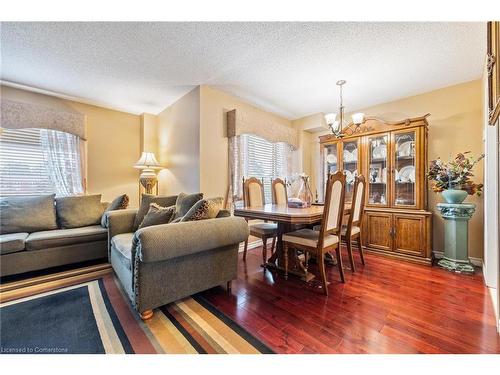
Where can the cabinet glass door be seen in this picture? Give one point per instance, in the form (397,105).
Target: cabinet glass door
(404,168)
(378,170)
(330,162)
(350,166)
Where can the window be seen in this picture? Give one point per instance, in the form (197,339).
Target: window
(39,161)
(257,157)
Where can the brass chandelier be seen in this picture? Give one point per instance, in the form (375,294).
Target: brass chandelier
(337,126)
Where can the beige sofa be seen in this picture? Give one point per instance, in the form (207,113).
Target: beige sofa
(160,264)
(33,237)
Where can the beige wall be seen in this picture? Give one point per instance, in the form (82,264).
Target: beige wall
(214,169)
(149,133)
(113,144)
(455,125)
(179,145)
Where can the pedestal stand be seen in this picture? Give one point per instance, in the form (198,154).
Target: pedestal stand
(456,227)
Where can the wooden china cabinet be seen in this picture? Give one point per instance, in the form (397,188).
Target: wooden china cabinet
(393,158)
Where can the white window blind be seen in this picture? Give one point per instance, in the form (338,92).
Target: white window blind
(257,157)
(27,163)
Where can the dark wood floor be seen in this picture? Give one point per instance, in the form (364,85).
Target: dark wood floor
(388,306)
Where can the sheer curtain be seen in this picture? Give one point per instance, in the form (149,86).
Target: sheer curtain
(253,156)
(63,161)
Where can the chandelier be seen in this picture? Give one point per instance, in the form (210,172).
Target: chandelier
(337,126)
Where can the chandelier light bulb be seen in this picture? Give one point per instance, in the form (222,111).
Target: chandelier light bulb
(330,118)
(358,118)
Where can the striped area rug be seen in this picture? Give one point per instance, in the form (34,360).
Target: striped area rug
(96,317)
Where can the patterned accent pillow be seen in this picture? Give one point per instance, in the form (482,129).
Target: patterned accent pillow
(204,209)
(157,215)
(119,203)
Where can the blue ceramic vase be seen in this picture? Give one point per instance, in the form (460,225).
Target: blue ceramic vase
(454,195)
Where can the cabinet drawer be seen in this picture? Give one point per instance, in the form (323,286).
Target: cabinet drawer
(410,234)
(378,227)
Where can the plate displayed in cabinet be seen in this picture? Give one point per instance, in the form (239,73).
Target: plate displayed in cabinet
(349,177)
(331,158)
(405,149)
(380,152)
(406,174)
(347,156)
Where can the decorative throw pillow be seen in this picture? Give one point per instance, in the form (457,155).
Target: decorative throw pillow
(146,200)
(27,214)
(157,215)
(184,203)
(79,211)
(204,209)
(119,203)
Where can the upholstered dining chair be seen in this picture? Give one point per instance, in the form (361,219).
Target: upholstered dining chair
(352,231)
(278,189)
(327,238)
(253,196)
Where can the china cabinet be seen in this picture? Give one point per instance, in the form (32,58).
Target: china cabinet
(393,158)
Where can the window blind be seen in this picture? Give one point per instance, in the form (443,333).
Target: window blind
(257,157)
(24,162)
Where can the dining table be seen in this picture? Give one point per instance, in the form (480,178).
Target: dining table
(287,218)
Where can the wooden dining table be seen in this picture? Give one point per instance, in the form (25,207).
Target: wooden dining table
(286,218)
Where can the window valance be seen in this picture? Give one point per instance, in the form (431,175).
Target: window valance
(19,115)
(242,122)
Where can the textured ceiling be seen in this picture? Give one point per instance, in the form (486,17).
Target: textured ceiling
(287,68)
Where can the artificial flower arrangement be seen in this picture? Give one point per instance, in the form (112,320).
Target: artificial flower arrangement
(456,174)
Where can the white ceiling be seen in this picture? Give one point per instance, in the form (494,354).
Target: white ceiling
(288,68)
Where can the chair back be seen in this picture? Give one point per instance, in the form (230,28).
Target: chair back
(253,192)
(358,202)
(333,211)
(278,189)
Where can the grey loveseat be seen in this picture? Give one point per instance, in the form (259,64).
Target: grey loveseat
(36,233)
(160,264)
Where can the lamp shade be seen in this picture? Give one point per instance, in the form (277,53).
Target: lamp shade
(358,118)
(330,118)
(147,161)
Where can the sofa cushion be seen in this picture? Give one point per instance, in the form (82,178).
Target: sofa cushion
(79,211)
(64,237)
(20,214)
(12,242)
(204,209)
(157,215)
(119,203)
(224,213)
(146,200)
(184,203)
(121,244)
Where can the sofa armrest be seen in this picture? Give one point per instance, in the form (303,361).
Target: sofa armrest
(120,221)
(168,241)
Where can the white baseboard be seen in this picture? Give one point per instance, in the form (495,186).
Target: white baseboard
(493,295)
(478,262)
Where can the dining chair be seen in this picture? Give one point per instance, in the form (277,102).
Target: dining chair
(253,196)
(278,190)
(327,239)
(352,231)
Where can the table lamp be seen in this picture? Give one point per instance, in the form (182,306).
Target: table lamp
(148,164)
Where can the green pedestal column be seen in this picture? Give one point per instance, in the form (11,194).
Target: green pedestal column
(456,229)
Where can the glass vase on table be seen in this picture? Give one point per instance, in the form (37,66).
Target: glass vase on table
(304,197)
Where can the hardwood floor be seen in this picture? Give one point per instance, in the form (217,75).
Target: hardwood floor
(387,306)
